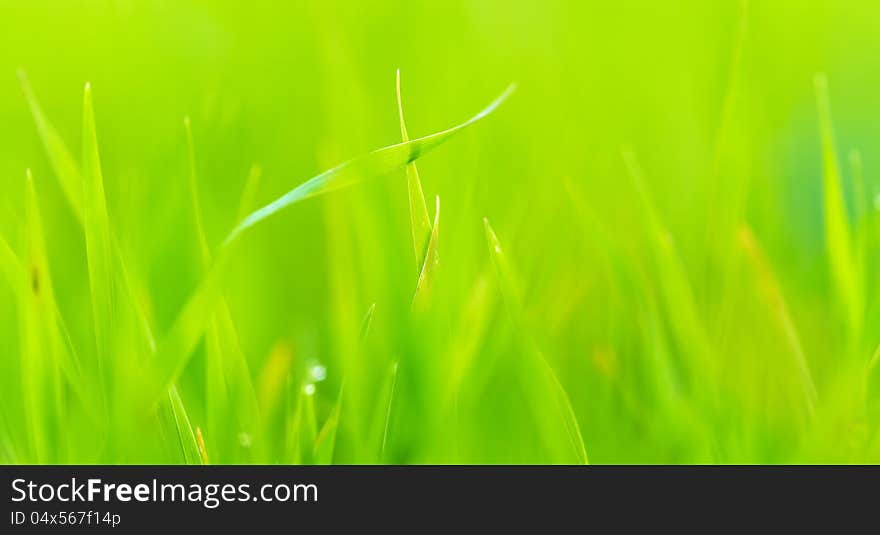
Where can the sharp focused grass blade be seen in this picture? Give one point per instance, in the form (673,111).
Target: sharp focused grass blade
(429,264)
(377,163)
(420,223)
(561,401)
(838,236)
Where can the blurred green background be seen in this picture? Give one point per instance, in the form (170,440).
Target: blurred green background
(698,321)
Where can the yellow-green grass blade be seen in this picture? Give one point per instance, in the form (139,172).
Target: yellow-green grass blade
(228,381)
(374,164)
(775,300)
(388,403)
(189,446)
(63,163)
(367,322)
(216,396)
(230,394)
(174,351)
(863,198)
(657,367)
(42,342)
(838,235)
(471,330)
(863,216)
(325,442)
(420,222)
(350,408)
(18,281)
(203,450)
(249,192)
(565,412)
(421,297)
(96,224)
(12,268)
(204,249)
(242,394)
(301,426)
(676,291)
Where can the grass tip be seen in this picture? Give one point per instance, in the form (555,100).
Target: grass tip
(203,451)
(491,236)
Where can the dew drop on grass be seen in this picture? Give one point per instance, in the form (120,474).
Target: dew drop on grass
(318,373)
(309,389)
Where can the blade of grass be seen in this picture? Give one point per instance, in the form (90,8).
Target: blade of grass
(97,231)
(63,163)
(249,192)
(204,249)
(203,451)
(420,223)
(42,344)
(302,426)
(228,381)
(377,163)
(421,297)
(367,322)
(17,280)
(678,297)
(772,293)
(325,442)
(511,295)
(350,406)
(386,420)
(13,271)
(838,236)
(189,445)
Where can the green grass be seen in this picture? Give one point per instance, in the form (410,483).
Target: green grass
(679,266)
